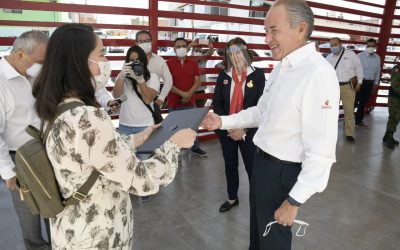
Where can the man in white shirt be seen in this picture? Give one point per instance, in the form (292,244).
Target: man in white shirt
(297,126)
(17,74)
(371,63)
(347,65)
(104,98)
(156,65)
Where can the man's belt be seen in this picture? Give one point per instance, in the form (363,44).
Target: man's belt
(344,83)
(272,158)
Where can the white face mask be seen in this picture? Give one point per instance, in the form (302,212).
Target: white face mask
(100,81)
(181,52)
(302,224)
(146,47)
(370,50)
(34,70)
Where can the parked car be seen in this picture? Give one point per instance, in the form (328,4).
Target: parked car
(116,50)
(101,33)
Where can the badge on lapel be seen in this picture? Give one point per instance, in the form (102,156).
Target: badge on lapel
(250,84)
(225,82)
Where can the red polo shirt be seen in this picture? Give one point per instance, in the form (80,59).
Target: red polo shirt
(182,78)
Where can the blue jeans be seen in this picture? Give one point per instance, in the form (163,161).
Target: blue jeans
(196,142)
(127,130)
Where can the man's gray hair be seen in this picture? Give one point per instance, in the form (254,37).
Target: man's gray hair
(29,40)
(298,11)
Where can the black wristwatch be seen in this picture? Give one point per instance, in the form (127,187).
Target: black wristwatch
(293,202)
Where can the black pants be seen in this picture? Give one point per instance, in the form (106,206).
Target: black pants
(270,185)
(200,102)
(362,98)
(231,158)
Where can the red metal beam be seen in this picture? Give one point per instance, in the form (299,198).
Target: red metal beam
(367,3)
(56,24)
(207,17)
(346,31)
(346,21)
(384,38)
(216,4)
(62,7)
(344,10)
(211,31)
(153,22)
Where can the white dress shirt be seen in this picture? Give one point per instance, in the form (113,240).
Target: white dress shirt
(371,66)
(17,111)
(158,66)
(348,66)
(297,118)
(103,97)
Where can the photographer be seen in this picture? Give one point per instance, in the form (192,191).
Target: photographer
(135,79)
(135,116)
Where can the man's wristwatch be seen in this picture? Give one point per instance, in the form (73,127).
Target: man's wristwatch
(293,202)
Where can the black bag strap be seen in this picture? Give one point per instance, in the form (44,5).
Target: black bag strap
(141,98)
(337,63)
(60,110)
(79,195)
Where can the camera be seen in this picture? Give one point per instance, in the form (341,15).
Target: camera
(137,67)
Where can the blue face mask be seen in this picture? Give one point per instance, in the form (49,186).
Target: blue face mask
(336,50)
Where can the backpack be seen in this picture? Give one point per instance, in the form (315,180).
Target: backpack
(37,183)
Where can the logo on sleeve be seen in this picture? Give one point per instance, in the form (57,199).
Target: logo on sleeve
(326,105)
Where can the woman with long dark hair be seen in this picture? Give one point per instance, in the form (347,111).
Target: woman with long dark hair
(140,87)
(238,87)
(83,139)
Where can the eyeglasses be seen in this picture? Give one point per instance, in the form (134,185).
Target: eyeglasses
(144,41)
(301,223)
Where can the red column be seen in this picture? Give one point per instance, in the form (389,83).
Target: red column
(384,36)
(153,23)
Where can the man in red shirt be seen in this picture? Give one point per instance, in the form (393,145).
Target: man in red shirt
(185,80)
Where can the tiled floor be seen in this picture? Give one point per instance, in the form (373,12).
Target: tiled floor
(360,209)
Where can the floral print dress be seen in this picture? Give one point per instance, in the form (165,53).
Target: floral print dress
(84,139)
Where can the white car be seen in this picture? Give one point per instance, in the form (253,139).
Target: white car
(5,51)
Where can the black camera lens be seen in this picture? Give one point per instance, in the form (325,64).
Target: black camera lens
(137,68)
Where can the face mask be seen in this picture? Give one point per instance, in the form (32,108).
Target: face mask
(146,47)
(237,58)
(370,50)
(336,50)
(181,52)
(100,81)
(34,70)
(197,54)
(301,223)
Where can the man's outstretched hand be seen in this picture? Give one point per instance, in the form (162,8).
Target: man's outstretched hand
(211,122)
